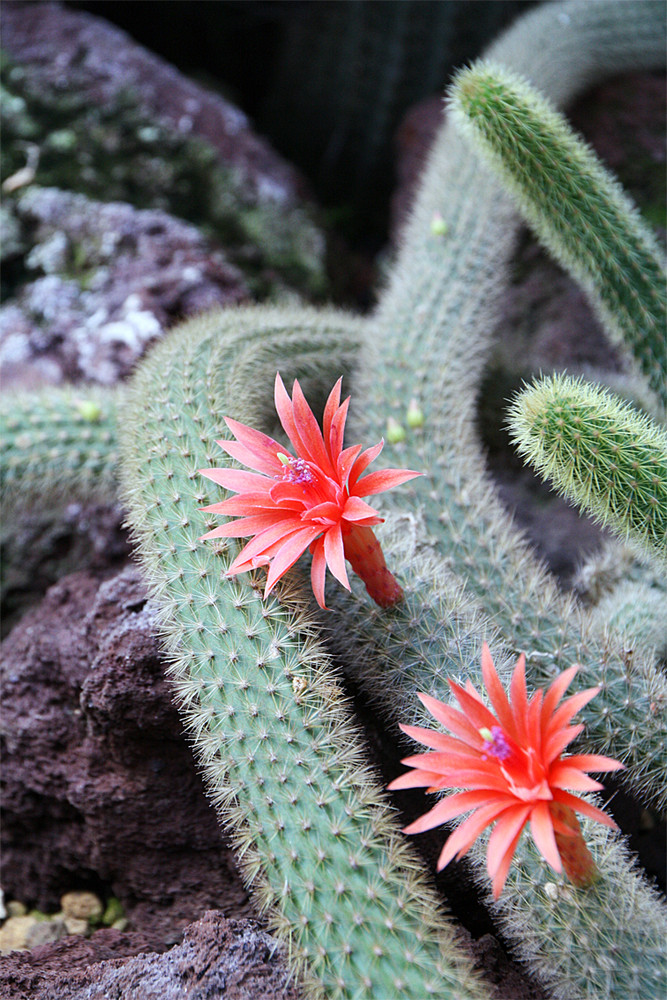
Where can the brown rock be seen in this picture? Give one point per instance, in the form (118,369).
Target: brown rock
(142,270)
(99,784)
(217,958)
(67,44)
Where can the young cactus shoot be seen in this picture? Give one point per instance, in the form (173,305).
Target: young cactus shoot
(310,499)
(513,772)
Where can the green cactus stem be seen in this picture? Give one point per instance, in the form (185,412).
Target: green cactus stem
(600,453)
(429,340)
(283,763)
(578,210)
(58,445)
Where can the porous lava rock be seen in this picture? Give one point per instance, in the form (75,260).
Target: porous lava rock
(99,787)
(234,959)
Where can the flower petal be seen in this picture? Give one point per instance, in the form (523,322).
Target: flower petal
(318,570)
(447,808)
(309,431)
(582,806)
(334,554)
(356,510)
(238,480)
(383,479)
(454,720)
(509,824)
(496,691)
(542,830)
(288,554)
(434,739)
(593,762)
(465,835)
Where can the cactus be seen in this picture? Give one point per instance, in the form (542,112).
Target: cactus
(58,445)
(253,679)
(283,763)
(576,208)
(598,452)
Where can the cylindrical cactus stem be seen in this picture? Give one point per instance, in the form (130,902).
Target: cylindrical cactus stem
(284,765)
(576,940)
(598,452)
(578,210)
(429,340)
(58,445)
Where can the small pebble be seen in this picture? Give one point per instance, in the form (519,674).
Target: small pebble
(74,925)
(82,905)
(16,909)
(45,931)
(14,933)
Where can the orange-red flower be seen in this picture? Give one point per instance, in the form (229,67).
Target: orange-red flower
(311,499)
(511,768)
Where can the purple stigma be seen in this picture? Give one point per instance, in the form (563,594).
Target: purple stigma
(497,746)
(298,471)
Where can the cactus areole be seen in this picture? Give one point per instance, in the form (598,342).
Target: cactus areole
(309,500)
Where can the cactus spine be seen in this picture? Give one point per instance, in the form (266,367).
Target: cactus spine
(600,453)
(259,667)
(577,209)
(283,763)
(58,445)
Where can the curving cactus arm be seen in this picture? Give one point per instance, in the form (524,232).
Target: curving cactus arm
(599,452)
(578,210)
(283,763)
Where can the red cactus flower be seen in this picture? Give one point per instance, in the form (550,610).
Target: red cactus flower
(308,500)
(513,772)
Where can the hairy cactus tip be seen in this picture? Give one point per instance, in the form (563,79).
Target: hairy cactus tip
(309,500)
(513,772)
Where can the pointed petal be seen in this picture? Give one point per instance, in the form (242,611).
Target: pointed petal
(508,826)
(244,526)
(562,776)
(332,405)
(593,762)
(337,432)
(432,738)
(356,510)
(570,707)
(260,461)
(288,554)
(260,444)
(555,744)
(542,830)
(309,431)
(334,554)
(318,569)
(519,699)
(238,480)
(477,713)
(467,833)
(454,720)
(500,877)
(496,691)
(555,692)
(580,805)
(414,779)
(383,479)
(285,411)
(346,460)
(263,542)
(364,460)
(448,808)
